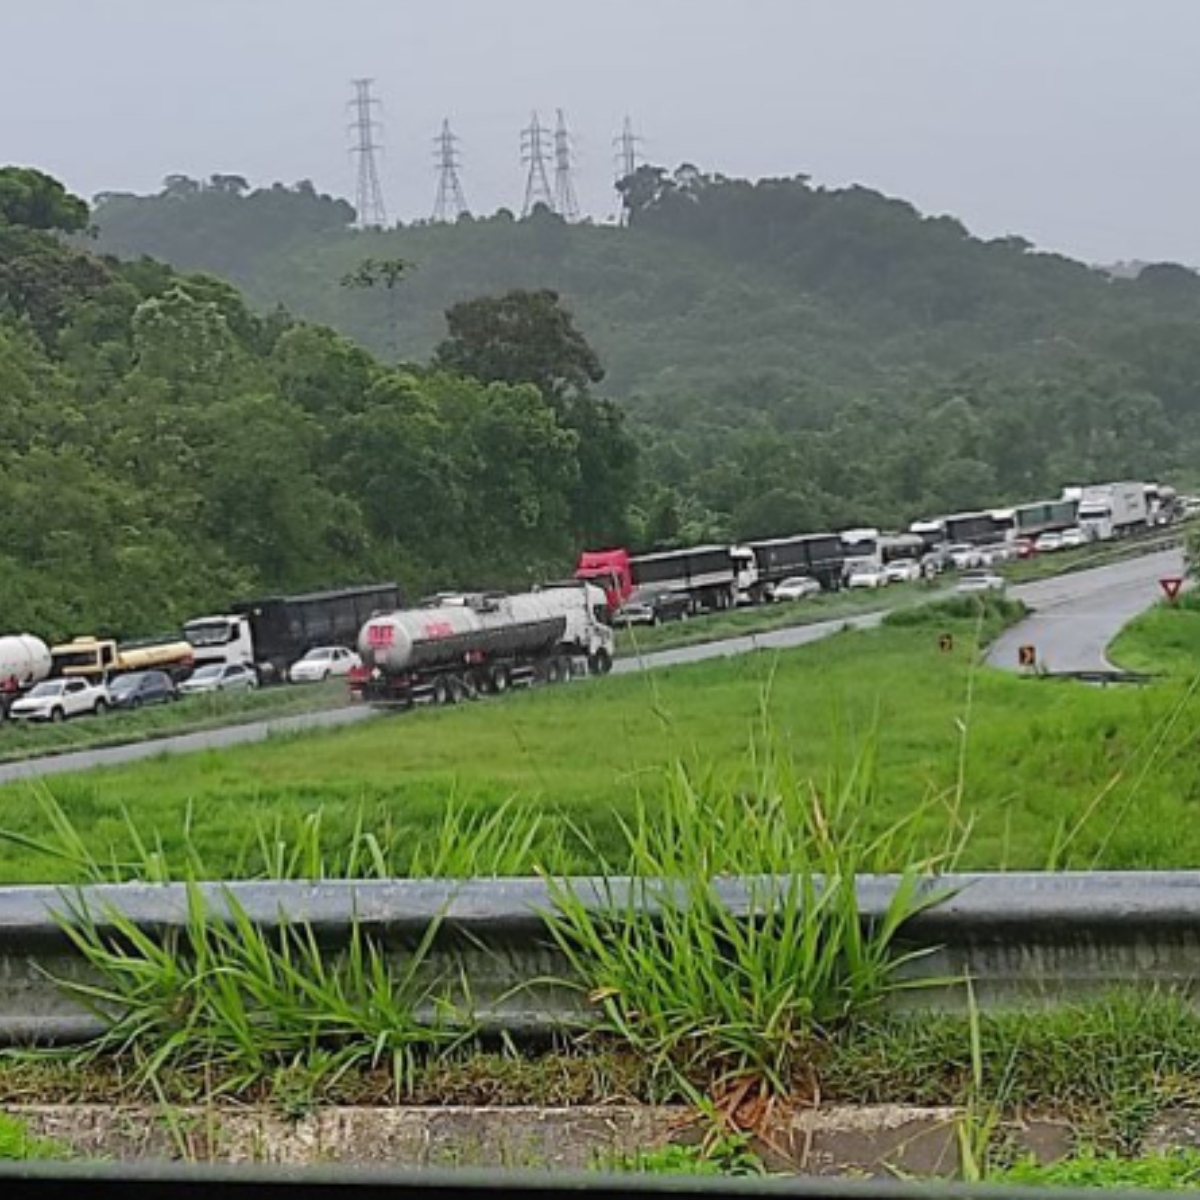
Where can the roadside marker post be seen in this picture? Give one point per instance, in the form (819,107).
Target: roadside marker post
(946,643)
(1027,656)
(1171,586)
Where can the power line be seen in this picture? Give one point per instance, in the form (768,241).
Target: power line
(565,199)
(535,153)
(372,213)
(450,203)
(628,158)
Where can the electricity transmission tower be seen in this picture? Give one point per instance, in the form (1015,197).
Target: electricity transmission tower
(535,153)
(628,158)
(451,203)
(372,213)
(565,199)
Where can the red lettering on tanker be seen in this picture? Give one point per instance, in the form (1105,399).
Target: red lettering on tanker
(380,636)
(439,629)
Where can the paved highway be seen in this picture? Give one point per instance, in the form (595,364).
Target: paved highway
(1076,617)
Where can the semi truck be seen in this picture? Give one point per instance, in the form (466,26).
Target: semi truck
(860,548)
(1111,510)
(268,635)
(462,647)
(1031,520)
(102,659)
(714,577)
(820,556)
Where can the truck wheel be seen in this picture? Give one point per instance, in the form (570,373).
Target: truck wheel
(442,693)
(553,671)
(566,668)
(601,662)
(500,680)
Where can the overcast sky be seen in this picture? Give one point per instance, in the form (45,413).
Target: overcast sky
(1072,122)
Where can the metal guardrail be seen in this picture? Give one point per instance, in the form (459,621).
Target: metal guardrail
(1052,937)
(154,1181)
(1103,678)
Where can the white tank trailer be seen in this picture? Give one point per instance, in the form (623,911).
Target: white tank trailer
(25,659)
(464,646)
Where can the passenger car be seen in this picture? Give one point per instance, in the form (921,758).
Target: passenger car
(796,587)
(324,662)
(57,699)
(868,575)
(652,606)
(981,581)
(1048,543)
(140,688)
(1072,539)
(903,570)
(220,677)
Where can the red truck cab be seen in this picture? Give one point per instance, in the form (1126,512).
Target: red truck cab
(609,569)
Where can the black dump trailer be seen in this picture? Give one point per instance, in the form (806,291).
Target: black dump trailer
(821,556)
(285,628)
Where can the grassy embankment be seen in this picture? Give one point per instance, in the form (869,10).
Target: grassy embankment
(193,714)
(1046,774)
(1028,760)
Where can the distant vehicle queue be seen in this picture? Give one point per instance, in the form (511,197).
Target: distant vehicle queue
(457,646)
(719,577)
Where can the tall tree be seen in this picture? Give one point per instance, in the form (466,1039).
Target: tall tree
(520,337)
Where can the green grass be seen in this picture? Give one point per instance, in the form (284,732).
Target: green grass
(192,714)
(1051,774)
(1175,1172)
(1163,640)
(17,1145)
(742,622)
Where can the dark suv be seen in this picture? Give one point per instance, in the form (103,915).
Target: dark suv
(652,606)
(140,688)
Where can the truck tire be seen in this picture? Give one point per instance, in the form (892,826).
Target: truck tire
(566,668)
(601,662)
(500,680)
(553,671)
(443,692)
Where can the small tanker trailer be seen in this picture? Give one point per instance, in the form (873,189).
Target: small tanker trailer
(24,661)
(460,647)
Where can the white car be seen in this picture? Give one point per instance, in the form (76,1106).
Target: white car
(797,587)
(963,557)
(324,662)
(1072,539)
(868,575)
(57,699)
(219,677)
(1048,543)
(981,581)
(903,570)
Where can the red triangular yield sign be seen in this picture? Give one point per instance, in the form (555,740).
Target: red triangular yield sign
(1171,586)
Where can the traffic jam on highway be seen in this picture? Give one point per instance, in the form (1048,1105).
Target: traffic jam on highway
(461,645)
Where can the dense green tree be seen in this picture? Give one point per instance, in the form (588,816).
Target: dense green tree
(520,337)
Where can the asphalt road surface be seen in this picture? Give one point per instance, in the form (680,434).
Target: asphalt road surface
(1076,617)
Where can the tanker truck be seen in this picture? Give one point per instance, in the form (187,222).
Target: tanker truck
(24,661)
(463,646)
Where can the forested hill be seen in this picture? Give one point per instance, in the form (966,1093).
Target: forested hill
(793,356)
(165,450)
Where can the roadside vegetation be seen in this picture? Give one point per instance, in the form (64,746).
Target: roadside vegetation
(1163,640)
(1052,775)
(193,714)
